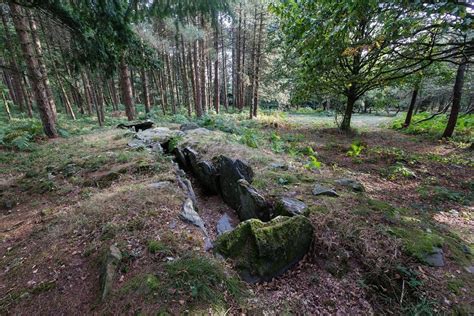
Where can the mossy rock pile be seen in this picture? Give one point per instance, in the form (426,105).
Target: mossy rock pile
(263,250)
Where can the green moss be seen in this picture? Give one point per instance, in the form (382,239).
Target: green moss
(417,242)
(264,250)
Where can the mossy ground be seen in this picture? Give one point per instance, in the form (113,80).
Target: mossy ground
(60,221)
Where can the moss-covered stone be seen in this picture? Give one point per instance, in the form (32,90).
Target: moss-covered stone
(261,251)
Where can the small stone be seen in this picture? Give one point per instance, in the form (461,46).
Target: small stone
(279,165)
(160,185)
(454,212)
(252,203)
(109,268)
(320,190)
(291,207)
(466,249)
(188,214)
(351,183)
(469,269)
(435,258)
(224,225)
(136,143)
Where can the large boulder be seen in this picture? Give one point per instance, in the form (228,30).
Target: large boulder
(159,135)
(207,175)
(231,171)
(252,204)
(263,250)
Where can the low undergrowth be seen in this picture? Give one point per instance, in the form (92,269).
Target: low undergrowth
(464,131)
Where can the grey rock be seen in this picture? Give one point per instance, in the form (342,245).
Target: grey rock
(136,143)
(156,148)
(320,190)
(291,207)
(279,165)
(206,173)
(160,185)
(191,158)
(159,135)
(188,214)
(224,225)
(469,269)
(252,204)
(187,187)
(230,171)
(188,126)
(180,158)
(351,183)
(109,269)
(263,250)
(435,258)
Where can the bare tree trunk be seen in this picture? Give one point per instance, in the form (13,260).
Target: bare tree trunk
(457,95)
(411,107)
(197,84)
(160,89)
(242,69)
(224,73)
(237,66)
(146,93)
(17,84)
(127,90)
(184,73)
(41,64)
(258,66)
(87,93)
(38,83)
(202,71)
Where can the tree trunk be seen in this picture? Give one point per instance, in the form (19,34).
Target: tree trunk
(457,94)
(126,86)
(41,64)
(17,84)
(224,74)
(411,108)
(184,75)
(351,99)
(146,93)
(202,71)
(258,66)
(197,84)
(36,75)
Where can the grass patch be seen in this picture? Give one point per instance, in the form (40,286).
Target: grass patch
(202,280)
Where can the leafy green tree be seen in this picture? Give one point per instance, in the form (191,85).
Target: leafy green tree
(351,47)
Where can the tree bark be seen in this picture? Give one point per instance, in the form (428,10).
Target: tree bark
(258,66)
(41,64)
(457,95)
(39,85)
(351,99)
(17,84)
(411,108)
(126,86)
(146,92)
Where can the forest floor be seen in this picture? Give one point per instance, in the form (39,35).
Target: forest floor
(65,202)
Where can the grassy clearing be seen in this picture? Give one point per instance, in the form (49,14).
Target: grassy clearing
(463,133)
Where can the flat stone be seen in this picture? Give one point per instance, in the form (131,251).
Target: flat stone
(159,135)
(291,207)
(180,158)
(188,126)
(136,143)
(320,190)
(279,165)
(351,183)
(109,268)
(435,258)
(191,158)
(252,203)
(469,269)
(160,185)
(189,215)
(224,225)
